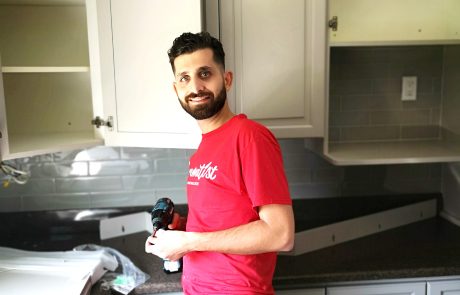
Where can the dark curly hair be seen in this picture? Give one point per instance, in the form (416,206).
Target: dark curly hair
(189,43)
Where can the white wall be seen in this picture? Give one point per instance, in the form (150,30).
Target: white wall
(451,192)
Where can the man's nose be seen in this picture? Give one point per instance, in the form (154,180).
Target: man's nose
(196,85)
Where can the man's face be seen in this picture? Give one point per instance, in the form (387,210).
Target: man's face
(200,84)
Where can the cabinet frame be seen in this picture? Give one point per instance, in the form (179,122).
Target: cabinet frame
(415,288)
(445,287)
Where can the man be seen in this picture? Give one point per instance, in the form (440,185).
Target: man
(240,211)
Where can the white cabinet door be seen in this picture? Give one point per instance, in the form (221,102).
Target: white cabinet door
(277,51)
(45,88)
(376,22)
(380,289)
(129,41)
(451,287)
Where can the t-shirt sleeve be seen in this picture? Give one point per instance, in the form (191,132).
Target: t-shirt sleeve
(262,169)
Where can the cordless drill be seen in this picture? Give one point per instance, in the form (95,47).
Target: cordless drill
(162,215)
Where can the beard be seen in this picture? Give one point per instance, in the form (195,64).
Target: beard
(208,109)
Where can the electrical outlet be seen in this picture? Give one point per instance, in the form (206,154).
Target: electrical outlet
(409,88)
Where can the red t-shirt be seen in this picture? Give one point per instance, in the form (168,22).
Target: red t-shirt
(237,168)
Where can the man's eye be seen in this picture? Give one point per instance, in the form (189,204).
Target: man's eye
(205,74)
(183,79)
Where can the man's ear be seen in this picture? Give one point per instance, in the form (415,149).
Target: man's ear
(174,87)
(228,78)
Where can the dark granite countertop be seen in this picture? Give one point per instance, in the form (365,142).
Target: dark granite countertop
(427,248)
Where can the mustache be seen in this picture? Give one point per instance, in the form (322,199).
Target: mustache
(199,94)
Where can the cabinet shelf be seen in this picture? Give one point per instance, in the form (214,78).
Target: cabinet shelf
(45,69)
(395,152)
(394,22)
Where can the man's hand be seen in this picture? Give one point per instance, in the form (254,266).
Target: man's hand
(170,244)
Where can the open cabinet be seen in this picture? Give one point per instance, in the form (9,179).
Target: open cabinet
(46,88)
(372,46)
(68,65)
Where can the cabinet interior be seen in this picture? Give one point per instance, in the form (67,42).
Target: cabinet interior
(45,66)
(368,123)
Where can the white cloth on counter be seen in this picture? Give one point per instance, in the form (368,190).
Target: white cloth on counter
(58,272)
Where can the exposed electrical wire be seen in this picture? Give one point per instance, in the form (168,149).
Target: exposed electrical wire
(16,175)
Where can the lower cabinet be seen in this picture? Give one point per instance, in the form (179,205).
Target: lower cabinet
(438,287)
(448,287)
(319,291)
(380,289)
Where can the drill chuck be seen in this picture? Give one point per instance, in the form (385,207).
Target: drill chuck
(162,214)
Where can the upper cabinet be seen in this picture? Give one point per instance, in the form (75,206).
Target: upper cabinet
(64,62)
(393,74)
(277,51)
(375,22)
(45,92)
(131,71)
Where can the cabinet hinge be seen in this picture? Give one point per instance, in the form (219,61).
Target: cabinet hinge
(98,122)
(334,23)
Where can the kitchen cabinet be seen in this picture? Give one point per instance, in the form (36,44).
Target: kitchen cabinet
(318,291)
(277,51)
(133,39)
(380,289)
(64,63)
(45,92)
(394,22)
(448,287)
(367,120)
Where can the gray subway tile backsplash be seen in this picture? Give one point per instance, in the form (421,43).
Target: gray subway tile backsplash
(369,80)
(349,118)
(122,199)
(121,167)
(403,117)
(370,133)
(98,153)
(125,179)
(11,203)
(386,101)
(351,103)
(171,165)
(88,184)
(420,132)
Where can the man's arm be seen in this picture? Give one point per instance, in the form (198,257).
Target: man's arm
(272,233)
